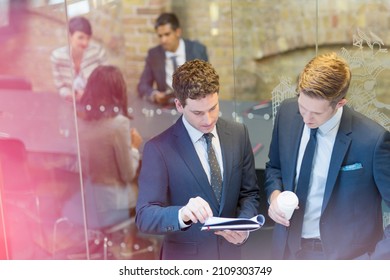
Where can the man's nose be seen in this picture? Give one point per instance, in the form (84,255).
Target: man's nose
(163,39)
(307,117)
(207,118)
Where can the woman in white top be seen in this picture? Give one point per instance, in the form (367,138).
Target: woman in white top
(73,64)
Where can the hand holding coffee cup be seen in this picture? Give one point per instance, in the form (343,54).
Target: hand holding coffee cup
(287,202)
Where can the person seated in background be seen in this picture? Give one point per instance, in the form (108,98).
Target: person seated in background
(156,80)
(109,151)
(73,64)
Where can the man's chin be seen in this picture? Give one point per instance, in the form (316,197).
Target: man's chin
(207,129)
(311,125)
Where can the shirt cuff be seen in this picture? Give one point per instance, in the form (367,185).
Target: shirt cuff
(65,92)
(183,224)
(152,96)
(135,153)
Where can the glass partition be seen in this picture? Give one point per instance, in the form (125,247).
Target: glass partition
(274,41)
(48,209)
(40,68)
(39,158)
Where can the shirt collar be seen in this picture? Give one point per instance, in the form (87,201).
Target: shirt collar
(179,52)
(195,134)
(332,122)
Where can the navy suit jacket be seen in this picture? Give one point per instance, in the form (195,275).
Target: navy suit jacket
(172,173)
(351,220)
(153,76)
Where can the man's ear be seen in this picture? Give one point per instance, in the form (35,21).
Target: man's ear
(341,103)
(178,32)
(179,107)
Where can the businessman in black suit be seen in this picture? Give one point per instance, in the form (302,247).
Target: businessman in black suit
(177,185)
(156,80)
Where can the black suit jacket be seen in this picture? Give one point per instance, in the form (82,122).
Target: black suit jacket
(153,76)
(172,173)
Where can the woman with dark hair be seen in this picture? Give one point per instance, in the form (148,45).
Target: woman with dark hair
(73,64)
(108,149)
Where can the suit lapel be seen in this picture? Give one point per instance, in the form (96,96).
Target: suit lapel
(296,134)
(340,148)
(159,65)
(188,153)
(189,51)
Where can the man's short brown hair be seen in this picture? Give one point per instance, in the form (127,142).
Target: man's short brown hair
(195,79)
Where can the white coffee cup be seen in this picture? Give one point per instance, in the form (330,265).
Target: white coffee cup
(287,202)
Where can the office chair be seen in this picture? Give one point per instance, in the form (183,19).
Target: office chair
(19,198)
(109,235)
(18,185)
(115,237)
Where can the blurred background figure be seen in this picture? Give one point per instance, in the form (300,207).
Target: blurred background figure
(156,80)
(73,64)
(109,152)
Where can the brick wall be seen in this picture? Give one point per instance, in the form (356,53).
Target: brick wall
(245,38)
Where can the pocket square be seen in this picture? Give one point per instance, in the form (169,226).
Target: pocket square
(350,167)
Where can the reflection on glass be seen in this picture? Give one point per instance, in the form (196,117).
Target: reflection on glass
(30,115)
(4,13)
(77,8)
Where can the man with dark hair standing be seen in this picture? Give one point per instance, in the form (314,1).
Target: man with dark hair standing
(338,163)
(156,80)
(202,166)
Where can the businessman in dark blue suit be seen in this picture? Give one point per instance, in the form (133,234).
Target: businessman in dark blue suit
(156,80)
(175,181)
(350,173)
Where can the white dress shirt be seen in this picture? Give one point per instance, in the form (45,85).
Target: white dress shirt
(180,54)
(201,149)
(326,136)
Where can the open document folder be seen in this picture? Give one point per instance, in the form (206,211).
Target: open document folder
(217,223)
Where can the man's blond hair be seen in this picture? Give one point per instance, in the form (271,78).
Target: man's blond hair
(326,76)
